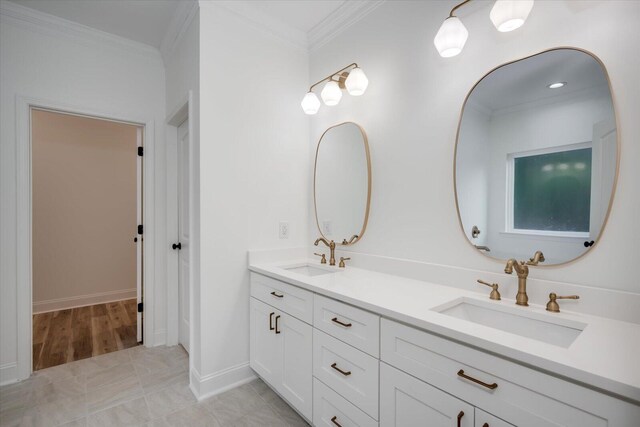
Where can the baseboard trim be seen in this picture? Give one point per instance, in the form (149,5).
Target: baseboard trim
(219,382)
(82,300)
(8,373)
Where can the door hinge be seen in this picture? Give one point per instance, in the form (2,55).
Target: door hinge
(140,151)
(140,307)
(140,229)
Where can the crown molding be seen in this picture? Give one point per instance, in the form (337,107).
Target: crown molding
(182,19)
(339,20)
(262,21)
(55,26)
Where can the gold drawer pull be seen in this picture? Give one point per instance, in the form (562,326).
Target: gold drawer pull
(333,420)
(483,384)
(346,325)
(460,415)
(276,295)
(345,373)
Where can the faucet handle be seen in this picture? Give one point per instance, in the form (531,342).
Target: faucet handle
(342,260)
(537,257)
(323,260)
(494,295)
(553,306)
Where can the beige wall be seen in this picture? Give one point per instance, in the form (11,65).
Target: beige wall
(84,210)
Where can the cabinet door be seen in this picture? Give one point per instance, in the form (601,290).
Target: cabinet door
(408,402)
(484,419)
(296,382)
(265,348)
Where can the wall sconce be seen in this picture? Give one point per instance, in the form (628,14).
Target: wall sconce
(506,15)
(351,78)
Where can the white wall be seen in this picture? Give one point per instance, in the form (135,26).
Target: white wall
(101,73)
(254,172)
(411,111)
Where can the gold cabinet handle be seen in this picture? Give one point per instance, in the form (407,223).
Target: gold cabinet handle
(346,325)
(482,383)
(277,330)
(460,415)
(345,373)
(271,321)
(333,420)
(277,295)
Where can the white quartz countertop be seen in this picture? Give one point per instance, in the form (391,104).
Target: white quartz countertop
(606,355)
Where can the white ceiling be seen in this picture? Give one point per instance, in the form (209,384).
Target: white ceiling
(526,81)
(146,21)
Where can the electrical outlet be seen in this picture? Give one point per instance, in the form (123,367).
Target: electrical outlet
(284,230)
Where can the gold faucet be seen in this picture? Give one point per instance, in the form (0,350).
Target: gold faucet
(522,269)
(332,247)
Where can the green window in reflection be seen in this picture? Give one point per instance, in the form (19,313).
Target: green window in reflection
(552,192)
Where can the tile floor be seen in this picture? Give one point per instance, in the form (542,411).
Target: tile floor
(136,387)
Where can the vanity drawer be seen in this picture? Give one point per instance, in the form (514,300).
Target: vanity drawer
(330,409)
(523,396)
(352,325)
(484,419)
(350,372)
(292,300)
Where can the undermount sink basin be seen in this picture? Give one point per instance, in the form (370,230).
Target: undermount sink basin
(308,270)
(537,326)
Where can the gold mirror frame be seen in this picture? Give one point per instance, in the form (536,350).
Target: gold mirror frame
(365,141)
(618,149)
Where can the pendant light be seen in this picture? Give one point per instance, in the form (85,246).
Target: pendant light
(310,103)
(351,78)
(452,35)
(357,82)
(507,15)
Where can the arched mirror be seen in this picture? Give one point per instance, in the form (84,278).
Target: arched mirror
(342,183)
(537,157)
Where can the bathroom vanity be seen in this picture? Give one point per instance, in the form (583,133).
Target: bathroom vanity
(351,347)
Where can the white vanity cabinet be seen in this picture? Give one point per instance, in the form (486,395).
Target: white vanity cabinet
(281,353)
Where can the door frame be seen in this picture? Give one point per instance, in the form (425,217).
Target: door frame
(184,111)
(24,257)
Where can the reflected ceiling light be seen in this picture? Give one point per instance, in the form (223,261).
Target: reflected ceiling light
(580,166)
(507,15)
(563,166)
(547,168)
(351,78)
(331,93)
(556,85)
(452,35)
(310,103)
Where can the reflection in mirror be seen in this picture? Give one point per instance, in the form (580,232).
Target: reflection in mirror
(342,183)
(536,157)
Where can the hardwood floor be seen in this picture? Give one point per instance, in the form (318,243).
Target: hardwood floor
(79,333)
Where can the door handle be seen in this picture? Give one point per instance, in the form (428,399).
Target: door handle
(460,415)
(277,330)
(176,246)
(271,321)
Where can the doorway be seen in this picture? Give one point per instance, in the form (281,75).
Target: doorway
(87,245)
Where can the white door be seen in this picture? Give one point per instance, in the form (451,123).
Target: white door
(182,246)
(138,238)
(604,159)
(265,349)
(295,341)
(408,402)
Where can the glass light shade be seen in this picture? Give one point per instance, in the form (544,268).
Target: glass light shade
(331,93)
(451,37)
(357,82)
(507,15)
(310,103)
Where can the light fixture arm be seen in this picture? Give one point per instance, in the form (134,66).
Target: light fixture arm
(341,77)
(451,14)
